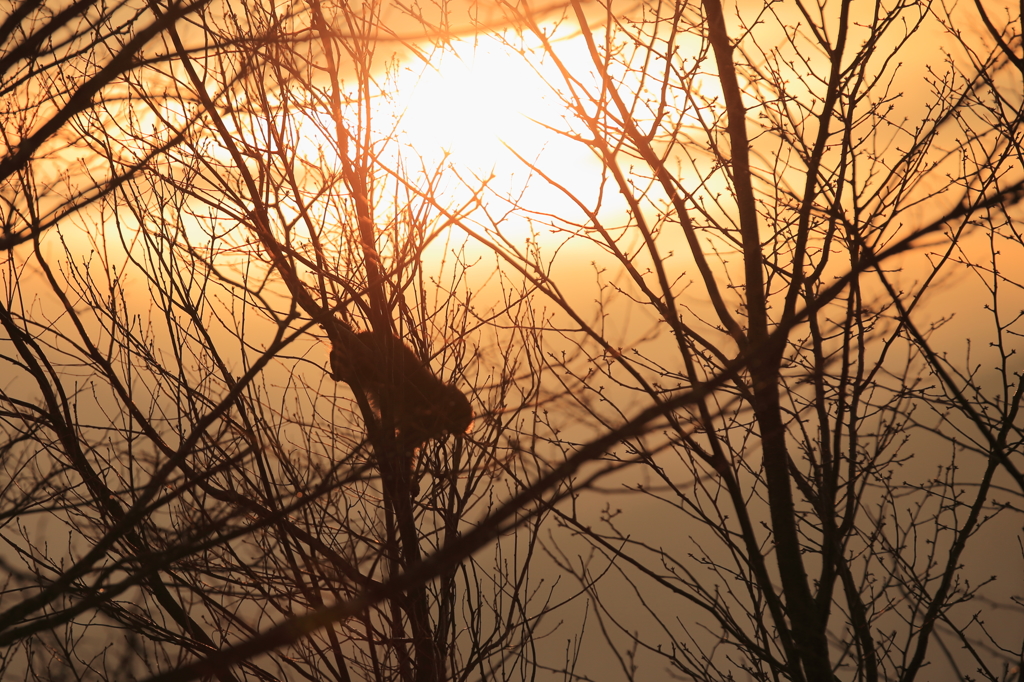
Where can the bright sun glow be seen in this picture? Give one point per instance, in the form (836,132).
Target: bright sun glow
(467,111)
(469,104)
(468,107)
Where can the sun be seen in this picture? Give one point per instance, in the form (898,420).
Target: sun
(473,104)
(489,111)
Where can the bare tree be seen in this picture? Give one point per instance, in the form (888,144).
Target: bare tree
(792,195)
(241,360)
(183,463)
